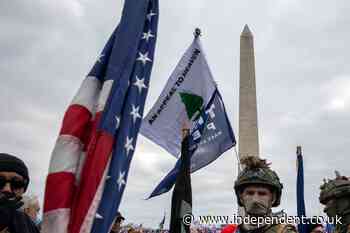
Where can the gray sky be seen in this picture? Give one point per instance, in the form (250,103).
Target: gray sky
(303,82)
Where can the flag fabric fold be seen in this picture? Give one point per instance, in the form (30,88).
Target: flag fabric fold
(211,136)
(100,128)
(68,156)
(161,224)
(181,203)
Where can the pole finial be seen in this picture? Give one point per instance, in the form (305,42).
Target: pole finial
(197,32)
(298,150)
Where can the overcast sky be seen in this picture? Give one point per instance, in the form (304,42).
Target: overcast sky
(303,82)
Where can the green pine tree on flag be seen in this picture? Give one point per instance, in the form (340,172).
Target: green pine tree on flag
(193,104)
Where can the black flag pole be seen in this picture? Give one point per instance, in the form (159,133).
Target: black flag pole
(181,203)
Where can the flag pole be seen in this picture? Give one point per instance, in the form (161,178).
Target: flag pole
(301,212)
(298,150)
(181,202)
(297,154)
(185,129)
(238,161)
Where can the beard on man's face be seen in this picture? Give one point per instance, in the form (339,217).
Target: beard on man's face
(7,195)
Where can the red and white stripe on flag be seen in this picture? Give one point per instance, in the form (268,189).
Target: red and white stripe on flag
(77,138)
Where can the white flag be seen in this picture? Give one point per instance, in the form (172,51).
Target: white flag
(186,93)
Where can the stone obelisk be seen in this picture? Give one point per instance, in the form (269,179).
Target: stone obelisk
(248,123)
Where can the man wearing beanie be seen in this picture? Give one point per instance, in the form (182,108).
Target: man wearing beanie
(14,180)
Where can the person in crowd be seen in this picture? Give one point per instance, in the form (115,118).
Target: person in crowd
(258,189)
(117,223)
(14,181)
(335,195)
(315,228)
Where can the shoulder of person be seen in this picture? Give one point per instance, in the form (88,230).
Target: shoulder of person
(23,223)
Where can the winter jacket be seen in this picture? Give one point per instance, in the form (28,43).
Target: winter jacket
(16,221)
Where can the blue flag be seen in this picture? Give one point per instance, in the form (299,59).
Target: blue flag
(329,228)
(129,62)
(211,136)
(302,228)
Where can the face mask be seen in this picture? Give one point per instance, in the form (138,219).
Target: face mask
(331,211)
(257,207)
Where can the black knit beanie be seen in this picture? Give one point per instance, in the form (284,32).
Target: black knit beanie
(10,163)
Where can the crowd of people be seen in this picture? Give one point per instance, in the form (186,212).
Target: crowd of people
(258,189)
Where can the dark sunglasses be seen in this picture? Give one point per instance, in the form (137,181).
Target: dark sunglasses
(14,183)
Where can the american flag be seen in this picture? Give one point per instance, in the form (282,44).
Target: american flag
(91,159)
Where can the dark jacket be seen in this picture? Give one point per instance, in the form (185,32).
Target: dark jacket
(16,221)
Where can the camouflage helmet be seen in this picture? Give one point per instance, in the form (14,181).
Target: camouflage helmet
(334,189)
(257,172)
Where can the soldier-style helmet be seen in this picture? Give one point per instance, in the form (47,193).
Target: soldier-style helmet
(334,189)
(257,171)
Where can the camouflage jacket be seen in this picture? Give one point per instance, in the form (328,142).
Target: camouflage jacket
(342,229)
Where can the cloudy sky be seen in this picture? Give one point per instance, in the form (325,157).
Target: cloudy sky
(303,82)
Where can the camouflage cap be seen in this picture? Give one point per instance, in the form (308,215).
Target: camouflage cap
(333,189)
(257,172)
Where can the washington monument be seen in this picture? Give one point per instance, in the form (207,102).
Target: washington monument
(248,122)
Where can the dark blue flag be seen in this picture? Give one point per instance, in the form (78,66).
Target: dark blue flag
(329,228)
(211,137)
(302,228)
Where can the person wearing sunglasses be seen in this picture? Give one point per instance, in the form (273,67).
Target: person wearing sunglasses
(14,181)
